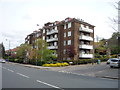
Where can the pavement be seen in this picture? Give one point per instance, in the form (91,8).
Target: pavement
(96,70)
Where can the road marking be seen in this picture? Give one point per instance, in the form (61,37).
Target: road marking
(4,68)
(49,84)
(10,70)
(22,75)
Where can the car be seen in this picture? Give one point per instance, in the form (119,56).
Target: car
(114,63)
(2,61)
(108,61)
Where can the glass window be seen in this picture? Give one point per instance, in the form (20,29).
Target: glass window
(68,58)
(64,34)
(87,27)
(56,28)
(64,51)
(55,35)
(69,24)
(69,33)
(65,26)
(55,43)
(43,37)
(64,43)
(69,42)
(43,30)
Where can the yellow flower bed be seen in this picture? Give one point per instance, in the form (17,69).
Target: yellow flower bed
(56,65)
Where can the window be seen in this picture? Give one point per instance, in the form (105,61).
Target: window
(64,34)
(64,43)
(87,27)
(82,25)
(64,52)
(69,33)
(55,43)
(38,34)
(69,42)
(55,35)
(68,58)
(56,28)
(69,24)
(64,58)
(65,26)
(43,30)
(43,37)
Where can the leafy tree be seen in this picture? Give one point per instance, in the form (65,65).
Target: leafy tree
(100,47)
(21,52)
(113,43)
(43,54)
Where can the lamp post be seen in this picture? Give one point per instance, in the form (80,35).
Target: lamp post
(42,45)
(8,49)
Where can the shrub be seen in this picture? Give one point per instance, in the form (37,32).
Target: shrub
(46,65)
(55,65)
(66,64)
(58,64)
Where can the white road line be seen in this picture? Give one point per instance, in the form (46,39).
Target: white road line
(10,70)
(48,84)
(22,75)
(4,68)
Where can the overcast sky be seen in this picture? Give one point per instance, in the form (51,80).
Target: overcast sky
(18,18)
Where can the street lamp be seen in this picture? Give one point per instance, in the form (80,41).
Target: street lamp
(8,49)
(42,45)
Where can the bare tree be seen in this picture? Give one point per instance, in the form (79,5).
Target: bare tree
(115,21)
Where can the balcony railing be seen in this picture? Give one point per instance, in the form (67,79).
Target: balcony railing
(52,47)
(84,46)
(85,29)
(52,39)
(83,37)
(52,32)
(81,55)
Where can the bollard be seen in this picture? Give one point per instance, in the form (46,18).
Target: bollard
(99,61)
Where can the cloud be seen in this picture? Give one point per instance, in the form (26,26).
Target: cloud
(19,17)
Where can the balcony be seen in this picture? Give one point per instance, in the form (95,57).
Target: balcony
(52,32)
(81,55)
(83,37)
(52,47)
(85,29)
(84,46)
(52,39)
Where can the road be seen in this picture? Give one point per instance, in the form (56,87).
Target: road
(97,70)
(17,76)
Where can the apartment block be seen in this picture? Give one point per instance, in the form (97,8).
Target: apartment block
(72,38)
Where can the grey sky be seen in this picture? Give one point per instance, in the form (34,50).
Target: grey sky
(19,17)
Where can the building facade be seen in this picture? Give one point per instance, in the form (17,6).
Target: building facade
(71,39)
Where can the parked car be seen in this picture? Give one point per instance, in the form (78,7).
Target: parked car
(114,63)
(2,61)
(108,61)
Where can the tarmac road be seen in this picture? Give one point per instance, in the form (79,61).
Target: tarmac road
(18,76)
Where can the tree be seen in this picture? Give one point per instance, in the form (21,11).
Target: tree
(71,51)
(113,43)
(100,47)
(115,21)
(22,52)
(43,54)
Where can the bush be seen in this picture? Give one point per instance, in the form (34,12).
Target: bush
(46,65)
(66,64)
(56,65)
